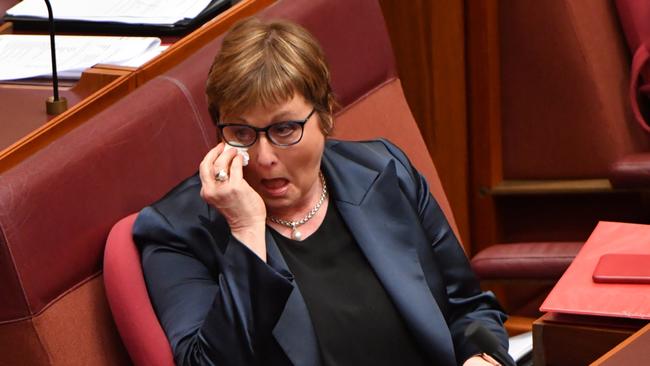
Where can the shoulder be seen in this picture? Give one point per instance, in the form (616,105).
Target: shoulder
(381,150)
(179,204)
(180,218)
(182,198)
(379,157)
(374,154)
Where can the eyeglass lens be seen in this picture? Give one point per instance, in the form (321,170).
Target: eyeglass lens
(284,133)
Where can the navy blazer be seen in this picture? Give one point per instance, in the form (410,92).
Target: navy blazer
(219,304)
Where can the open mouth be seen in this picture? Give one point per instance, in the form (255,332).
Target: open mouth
(275,186)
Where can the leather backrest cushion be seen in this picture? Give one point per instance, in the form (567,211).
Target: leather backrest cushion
(57,207)
(127,296)
(634,16)
(351,32)
(564,89)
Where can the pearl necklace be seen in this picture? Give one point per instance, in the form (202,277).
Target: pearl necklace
(295,233)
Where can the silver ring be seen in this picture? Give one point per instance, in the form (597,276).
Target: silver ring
(221,175)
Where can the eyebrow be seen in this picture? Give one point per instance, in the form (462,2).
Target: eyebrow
(283,116)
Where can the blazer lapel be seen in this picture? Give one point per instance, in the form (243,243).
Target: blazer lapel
(294,331)
(382,222)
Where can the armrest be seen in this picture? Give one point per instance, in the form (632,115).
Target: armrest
(539,260)
(632,171)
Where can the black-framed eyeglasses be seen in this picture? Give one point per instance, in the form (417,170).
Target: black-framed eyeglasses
(284,133)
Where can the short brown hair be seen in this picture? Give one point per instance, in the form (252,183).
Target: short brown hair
(266,64)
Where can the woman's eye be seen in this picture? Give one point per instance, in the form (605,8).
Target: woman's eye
(284,129)
(244,134)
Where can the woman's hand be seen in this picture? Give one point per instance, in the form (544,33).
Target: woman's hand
(479,360)
(240,205)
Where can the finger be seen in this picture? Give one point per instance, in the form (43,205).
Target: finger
(214,153)
(223,161)
(206,172)
(236,169)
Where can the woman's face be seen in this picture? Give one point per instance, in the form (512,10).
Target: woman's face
(285,177)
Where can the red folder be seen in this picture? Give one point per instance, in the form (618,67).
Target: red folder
(623,268)
(577,293)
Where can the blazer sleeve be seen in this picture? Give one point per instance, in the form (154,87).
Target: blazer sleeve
(215,299)
(465,300)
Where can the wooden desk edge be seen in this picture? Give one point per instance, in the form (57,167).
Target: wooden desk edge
(608,335)
(568,186)
(621,346)
(6,28)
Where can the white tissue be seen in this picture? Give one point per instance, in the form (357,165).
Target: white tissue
(243,151)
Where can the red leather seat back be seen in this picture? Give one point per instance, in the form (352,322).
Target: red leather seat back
(564,90)
(56,209)
(127,295)
(634,17)
(383,112)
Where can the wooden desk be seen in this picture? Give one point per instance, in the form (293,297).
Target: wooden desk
(634,351)
(22,106)
(570,340)
(32,128)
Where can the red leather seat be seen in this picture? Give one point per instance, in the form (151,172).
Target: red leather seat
(56,209)
(127,296)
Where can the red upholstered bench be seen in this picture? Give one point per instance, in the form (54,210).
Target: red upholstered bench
(525,261)
(56,209)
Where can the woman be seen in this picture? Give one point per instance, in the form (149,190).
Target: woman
(316,252)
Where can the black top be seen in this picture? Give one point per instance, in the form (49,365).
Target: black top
(355,321)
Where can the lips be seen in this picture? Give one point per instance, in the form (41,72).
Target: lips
(275,186)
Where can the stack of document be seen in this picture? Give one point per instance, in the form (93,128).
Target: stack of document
(119,11)
(28,56)
(117,17)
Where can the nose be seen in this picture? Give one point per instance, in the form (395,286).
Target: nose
(264,152)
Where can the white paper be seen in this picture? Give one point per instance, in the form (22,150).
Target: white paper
(243,151)
(122,11)
(27,56)
(520,345)
(143,58)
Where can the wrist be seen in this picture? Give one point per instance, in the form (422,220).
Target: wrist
(489,359)
(253,237)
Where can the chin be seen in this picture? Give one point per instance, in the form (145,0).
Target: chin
(277,203)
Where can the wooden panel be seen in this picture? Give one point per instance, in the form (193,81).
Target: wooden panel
(518,324)
(560,340)
(6,28)
(428,42)
(581,186)
(632,351)
(95,78)
(484,118)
